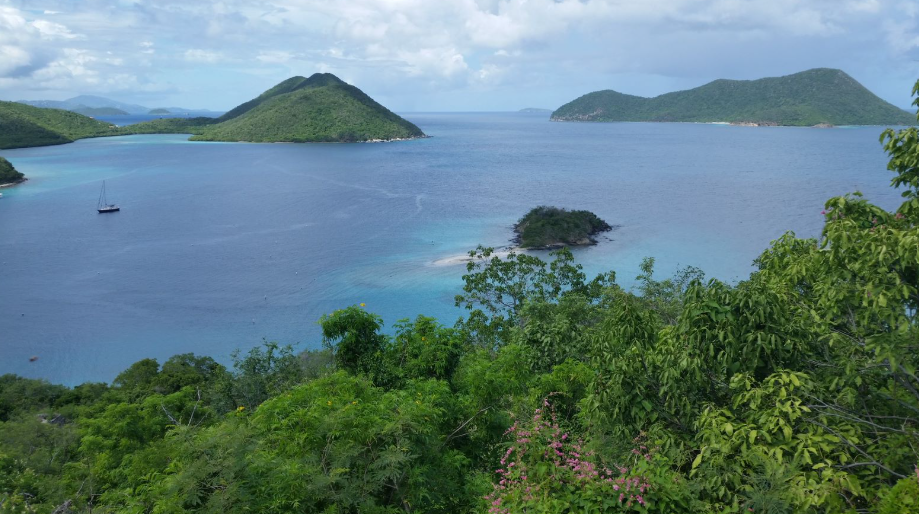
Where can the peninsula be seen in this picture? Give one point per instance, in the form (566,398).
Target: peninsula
(321,108)
(818,97)
(8,174)
(24,126)
(99,111)
(551,227)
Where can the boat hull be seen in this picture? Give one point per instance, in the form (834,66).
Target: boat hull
(103,210)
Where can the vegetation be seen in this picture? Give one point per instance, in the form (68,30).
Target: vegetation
(159,111)
(320,108)
(551,227)
(99,111)
(8,174)
(793,391)
(24,126)
(813,97)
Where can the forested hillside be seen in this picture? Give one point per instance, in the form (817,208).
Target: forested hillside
(321,108)
(818,96)
(795,390)
(8,173)
(25,126)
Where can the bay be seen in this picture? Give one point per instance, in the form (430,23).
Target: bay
(219,245)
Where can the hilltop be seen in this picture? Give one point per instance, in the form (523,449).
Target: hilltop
(814,97)
(25,126)
(321,108)
(8,174)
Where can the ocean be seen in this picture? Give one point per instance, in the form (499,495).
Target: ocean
(220,246)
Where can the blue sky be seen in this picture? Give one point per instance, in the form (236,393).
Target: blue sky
(443,55)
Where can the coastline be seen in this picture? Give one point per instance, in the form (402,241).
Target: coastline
(11,184)
(454,260)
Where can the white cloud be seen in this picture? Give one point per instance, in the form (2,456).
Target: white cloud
(274,57)
(405,47)
(12,58)
(203,56)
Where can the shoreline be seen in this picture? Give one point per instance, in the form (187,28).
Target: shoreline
(11,184)
(455,260)
(730,123)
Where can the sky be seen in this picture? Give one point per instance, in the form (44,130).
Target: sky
(443,55)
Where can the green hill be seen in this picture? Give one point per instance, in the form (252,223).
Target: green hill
(159,111)
(8,173)
(99,111)
(321,108)
(25,126)
(818,96)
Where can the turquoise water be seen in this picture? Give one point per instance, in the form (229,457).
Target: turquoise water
(220,245)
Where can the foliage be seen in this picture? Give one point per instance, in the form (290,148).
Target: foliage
(546,470)
(803,99)
(353,336)
(8,173)
(496,290)
(547,227)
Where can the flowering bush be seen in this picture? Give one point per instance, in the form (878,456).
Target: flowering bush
(546,469)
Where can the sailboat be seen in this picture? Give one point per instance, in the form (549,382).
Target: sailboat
(104,206)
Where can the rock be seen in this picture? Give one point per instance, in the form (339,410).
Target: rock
(52,419)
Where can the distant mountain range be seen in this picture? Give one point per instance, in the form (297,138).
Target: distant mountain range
(820,96)
(87,103)
(321,108)
(535,109)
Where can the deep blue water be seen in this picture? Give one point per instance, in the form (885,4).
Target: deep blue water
(219,245)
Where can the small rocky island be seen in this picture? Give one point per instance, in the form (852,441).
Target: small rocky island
(545,228)
(8,174)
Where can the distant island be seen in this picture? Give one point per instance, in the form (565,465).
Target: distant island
(321,108)
(99,111)
(818,97)
(535,109)
(159,111)
(8,174)
(552,227)
(24,126)
(79,103)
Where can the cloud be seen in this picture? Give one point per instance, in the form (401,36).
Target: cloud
(202,56)
(274,57)
(404,49)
